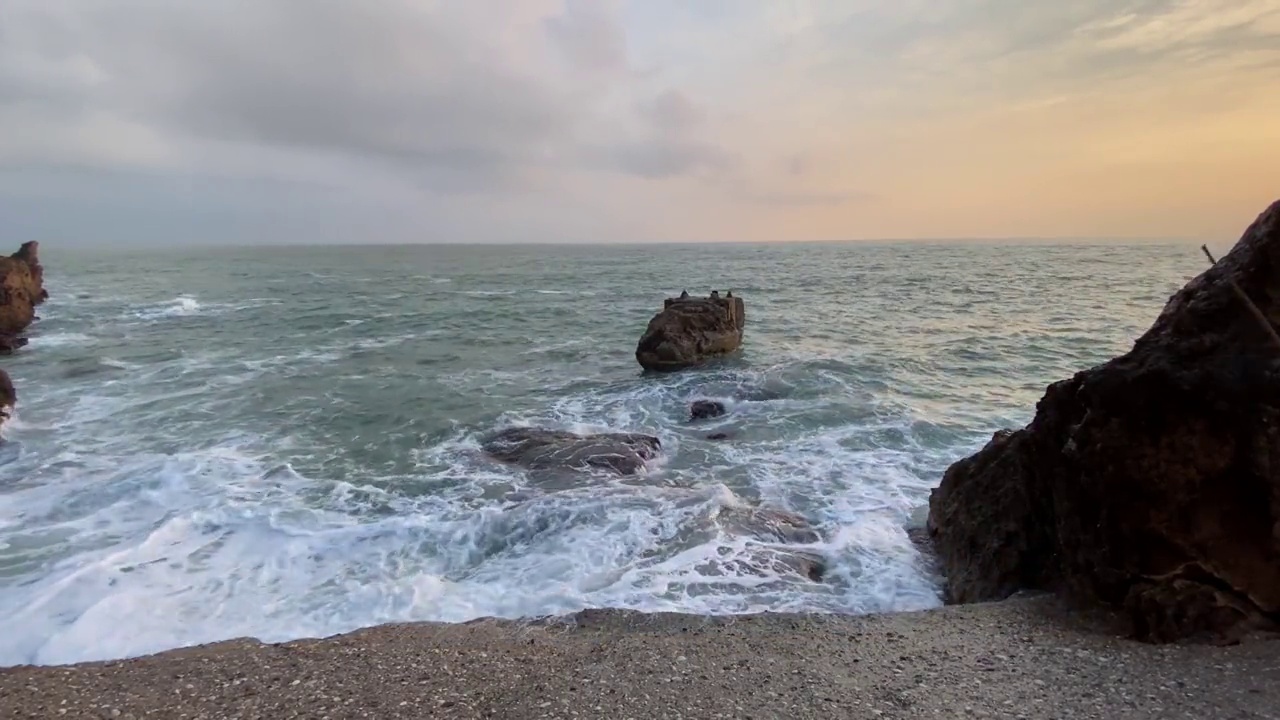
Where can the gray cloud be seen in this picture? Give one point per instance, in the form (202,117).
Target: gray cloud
(664,158)
(427,93)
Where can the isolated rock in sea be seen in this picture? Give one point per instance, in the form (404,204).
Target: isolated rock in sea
(21,290)
(706,409)
(1151,483)
(719,436)
(691,330)
(538,448)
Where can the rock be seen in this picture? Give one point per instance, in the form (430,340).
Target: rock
(21,290)
(771,525)
(537,448)
(8,396)
(718,436)
(10,343)
(777,561)
(706,409)
(1149,484)
(690,331)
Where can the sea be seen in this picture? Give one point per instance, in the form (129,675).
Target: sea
(284,442)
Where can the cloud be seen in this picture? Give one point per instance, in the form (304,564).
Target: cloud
(555,119)
(456,99)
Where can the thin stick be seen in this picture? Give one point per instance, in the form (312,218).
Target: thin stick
(1257,314)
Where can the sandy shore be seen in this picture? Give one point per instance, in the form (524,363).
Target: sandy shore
(1018,659)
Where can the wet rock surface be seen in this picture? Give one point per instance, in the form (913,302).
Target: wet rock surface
(690,331)
(776,529)
(706,409)
(8,396)
(1149,484)
(543,449)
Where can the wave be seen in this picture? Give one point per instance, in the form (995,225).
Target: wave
(178,307)
(64,339)
(221,543)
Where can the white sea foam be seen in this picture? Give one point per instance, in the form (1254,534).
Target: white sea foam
(178,307)
(52,340)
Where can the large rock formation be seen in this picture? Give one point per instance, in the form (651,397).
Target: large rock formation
(21,290)
(541,449)
(1149,484)
(691,330)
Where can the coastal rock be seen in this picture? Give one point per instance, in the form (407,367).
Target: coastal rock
(690,331)
(1149,484)
(765,560)
(21,290)
(706,409)
(539,449)
(771,525)
(8,396)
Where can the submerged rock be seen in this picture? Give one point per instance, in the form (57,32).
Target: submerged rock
(706,409)
(1149,484)
(21,290)
(538,448)
(690,331)
(771,525)
(766,560)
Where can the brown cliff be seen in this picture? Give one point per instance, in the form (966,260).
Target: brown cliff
(1149,484)
(21,290)
(691,330)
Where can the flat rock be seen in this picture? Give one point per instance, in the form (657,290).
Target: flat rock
(690,331)
(1149,484)
(540,449)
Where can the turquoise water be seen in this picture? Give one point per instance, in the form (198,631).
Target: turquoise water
(283,442)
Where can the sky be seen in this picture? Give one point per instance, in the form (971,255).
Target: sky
(294,121)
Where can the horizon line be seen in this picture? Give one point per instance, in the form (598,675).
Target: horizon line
(1005,239)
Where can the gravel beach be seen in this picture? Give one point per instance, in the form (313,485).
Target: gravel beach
(1024,658)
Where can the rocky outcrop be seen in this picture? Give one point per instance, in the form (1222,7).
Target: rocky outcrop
(1149,484)
(690,331)
(706,409)
(21,290)
(542,449)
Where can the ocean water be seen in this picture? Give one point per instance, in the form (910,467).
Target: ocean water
(283,443)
